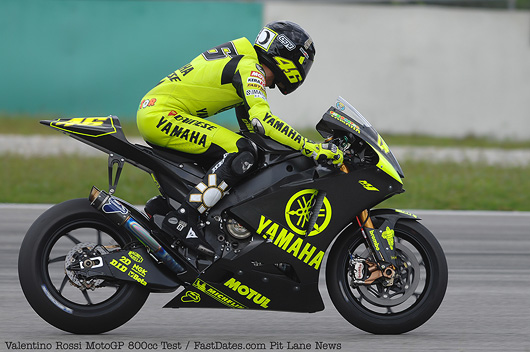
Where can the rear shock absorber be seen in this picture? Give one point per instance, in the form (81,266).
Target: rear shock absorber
(120,215)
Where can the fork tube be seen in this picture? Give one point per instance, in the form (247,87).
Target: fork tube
(365,219)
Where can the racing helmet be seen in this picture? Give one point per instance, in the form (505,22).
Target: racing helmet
(288,51)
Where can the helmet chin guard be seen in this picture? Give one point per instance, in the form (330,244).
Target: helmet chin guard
(288,51)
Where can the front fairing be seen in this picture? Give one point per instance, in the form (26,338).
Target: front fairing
(343,117)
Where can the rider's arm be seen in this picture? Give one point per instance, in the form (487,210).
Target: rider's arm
(260,116)
(252,90)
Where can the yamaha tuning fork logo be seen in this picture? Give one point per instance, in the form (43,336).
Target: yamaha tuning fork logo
(300,208)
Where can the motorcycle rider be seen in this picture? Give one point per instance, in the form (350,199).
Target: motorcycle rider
(230,75)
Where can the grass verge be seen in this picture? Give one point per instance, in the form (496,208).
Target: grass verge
(428,186)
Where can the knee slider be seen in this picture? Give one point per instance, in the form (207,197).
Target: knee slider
(242,162)
(245,158)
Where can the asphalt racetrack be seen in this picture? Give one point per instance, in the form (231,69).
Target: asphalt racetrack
(486,308)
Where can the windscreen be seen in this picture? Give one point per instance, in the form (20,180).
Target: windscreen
(352,112)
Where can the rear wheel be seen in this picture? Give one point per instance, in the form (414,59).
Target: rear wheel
(64,234)
(410,301)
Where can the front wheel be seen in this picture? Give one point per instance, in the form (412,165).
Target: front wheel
(64,234)
(414,296)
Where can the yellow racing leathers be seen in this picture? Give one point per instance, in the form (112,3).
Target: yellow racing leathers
(221,78)
(173,115)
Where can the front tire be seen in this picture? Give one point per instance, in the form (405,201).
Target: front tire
(406,305)
(67,302)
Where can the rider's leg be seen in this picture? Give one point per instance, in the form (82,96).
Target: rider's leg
(194,135)
(223,175)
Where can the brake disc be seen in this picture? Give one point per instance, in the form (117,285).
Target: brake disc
(404,286)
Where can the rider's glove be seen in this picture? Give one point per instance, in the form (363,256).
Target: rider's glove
(323,151)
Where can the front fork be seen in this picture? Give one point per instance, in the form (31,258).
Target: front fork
(381,244)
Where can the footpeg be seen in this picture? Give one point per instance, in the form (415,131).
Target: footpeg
(205,250)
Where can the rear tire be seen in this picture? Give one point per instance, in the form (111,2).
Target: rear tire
(54,292)
(399,308)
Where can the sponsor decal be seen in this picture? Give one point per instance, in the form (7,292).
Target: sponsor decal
(182,132)
(136,272)
(368,186)
(381,144)
(217,295)
(301,60)
(256,86)
(113,206)
(358,271)
(173,77)
(388,235)
(101,125)
(299,210)
(306,55)
(406,213)
(191,234)
(308,43)
(136,257)
(257,93)
(288,242)
(186,69)
(258,74)
(282,127)
(374,240)
(248,293)
(202,113)
(287,43)
(265,38)
(194,122)
(191,296)
(254,80)
(260,68)
(345,121)
(147,103)
(340,106)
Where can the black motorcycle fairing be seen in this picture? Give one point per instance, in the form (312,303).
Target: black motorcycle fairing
(278,255)
(252,281)
(282,173)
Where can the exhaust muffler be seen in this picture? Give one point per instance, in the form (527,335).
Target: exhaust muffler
(120,215)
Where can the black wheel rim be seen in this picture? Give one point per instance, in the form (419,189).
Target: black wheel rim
(56,283)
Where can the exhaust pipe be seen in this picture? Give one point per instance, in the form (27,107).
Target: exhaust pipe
(121,216)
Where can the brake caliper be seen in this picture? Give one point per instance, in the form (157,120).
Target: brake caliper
(365,272)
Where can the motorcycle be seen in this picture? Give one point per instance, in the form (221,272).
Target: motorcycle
(87,266)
